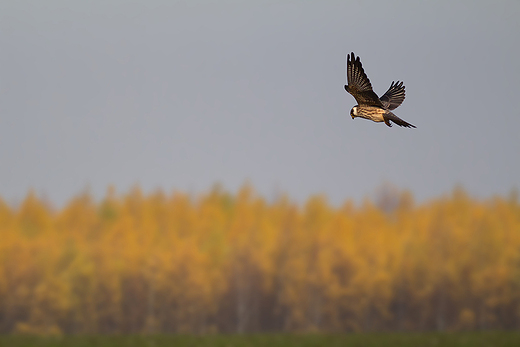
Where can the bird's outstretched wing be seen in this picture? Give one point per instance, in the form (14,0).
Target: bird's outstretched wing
(394,96)
(359,84)
(389,116)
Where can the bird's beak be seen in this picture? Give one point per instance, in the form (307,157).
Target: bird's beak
(352,117)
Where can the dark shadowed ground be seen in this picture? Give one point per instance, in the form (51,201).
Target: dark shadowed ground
(488,339)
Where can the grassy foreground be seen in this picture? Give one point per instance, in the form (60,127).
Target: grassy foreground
(487,339)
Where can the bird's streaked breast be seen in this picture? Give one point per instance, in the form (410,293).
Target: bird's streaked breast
(373,113)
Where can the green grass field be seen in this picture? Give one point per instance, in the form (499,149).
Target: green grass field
(484,339)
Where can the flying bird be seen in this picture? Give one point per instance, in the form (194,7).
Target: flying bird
(370,106)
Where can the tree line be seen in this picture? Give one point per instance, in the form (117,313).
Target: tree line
(237,263)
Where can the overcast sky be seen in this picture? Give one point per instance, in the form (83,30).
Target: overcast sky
(183,94)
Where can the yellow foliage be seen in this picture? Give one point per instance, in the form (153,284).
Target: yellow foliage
(220,262)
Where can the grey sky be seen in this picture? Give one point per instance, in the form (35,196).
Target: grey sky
(183,94)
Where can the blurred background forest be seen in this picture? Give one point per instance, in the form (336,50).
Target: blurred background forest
(222,262)
(175,94)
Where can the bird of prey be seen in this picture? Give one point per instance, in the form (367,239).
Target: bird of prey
(370,106)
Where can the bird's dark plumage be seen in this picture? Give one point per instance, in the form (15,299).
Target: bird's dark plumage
(394,96)
(358,83)
(370,106)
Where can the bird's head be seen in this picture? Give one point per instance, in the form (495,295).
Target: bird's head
(353,112)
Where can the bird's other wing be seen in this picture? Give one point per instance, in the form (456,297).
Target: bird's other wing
(394,96)
(389,116)
(359,84)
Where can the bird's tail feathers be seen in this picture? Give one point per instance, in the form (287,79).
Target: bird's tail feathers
(389,116)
